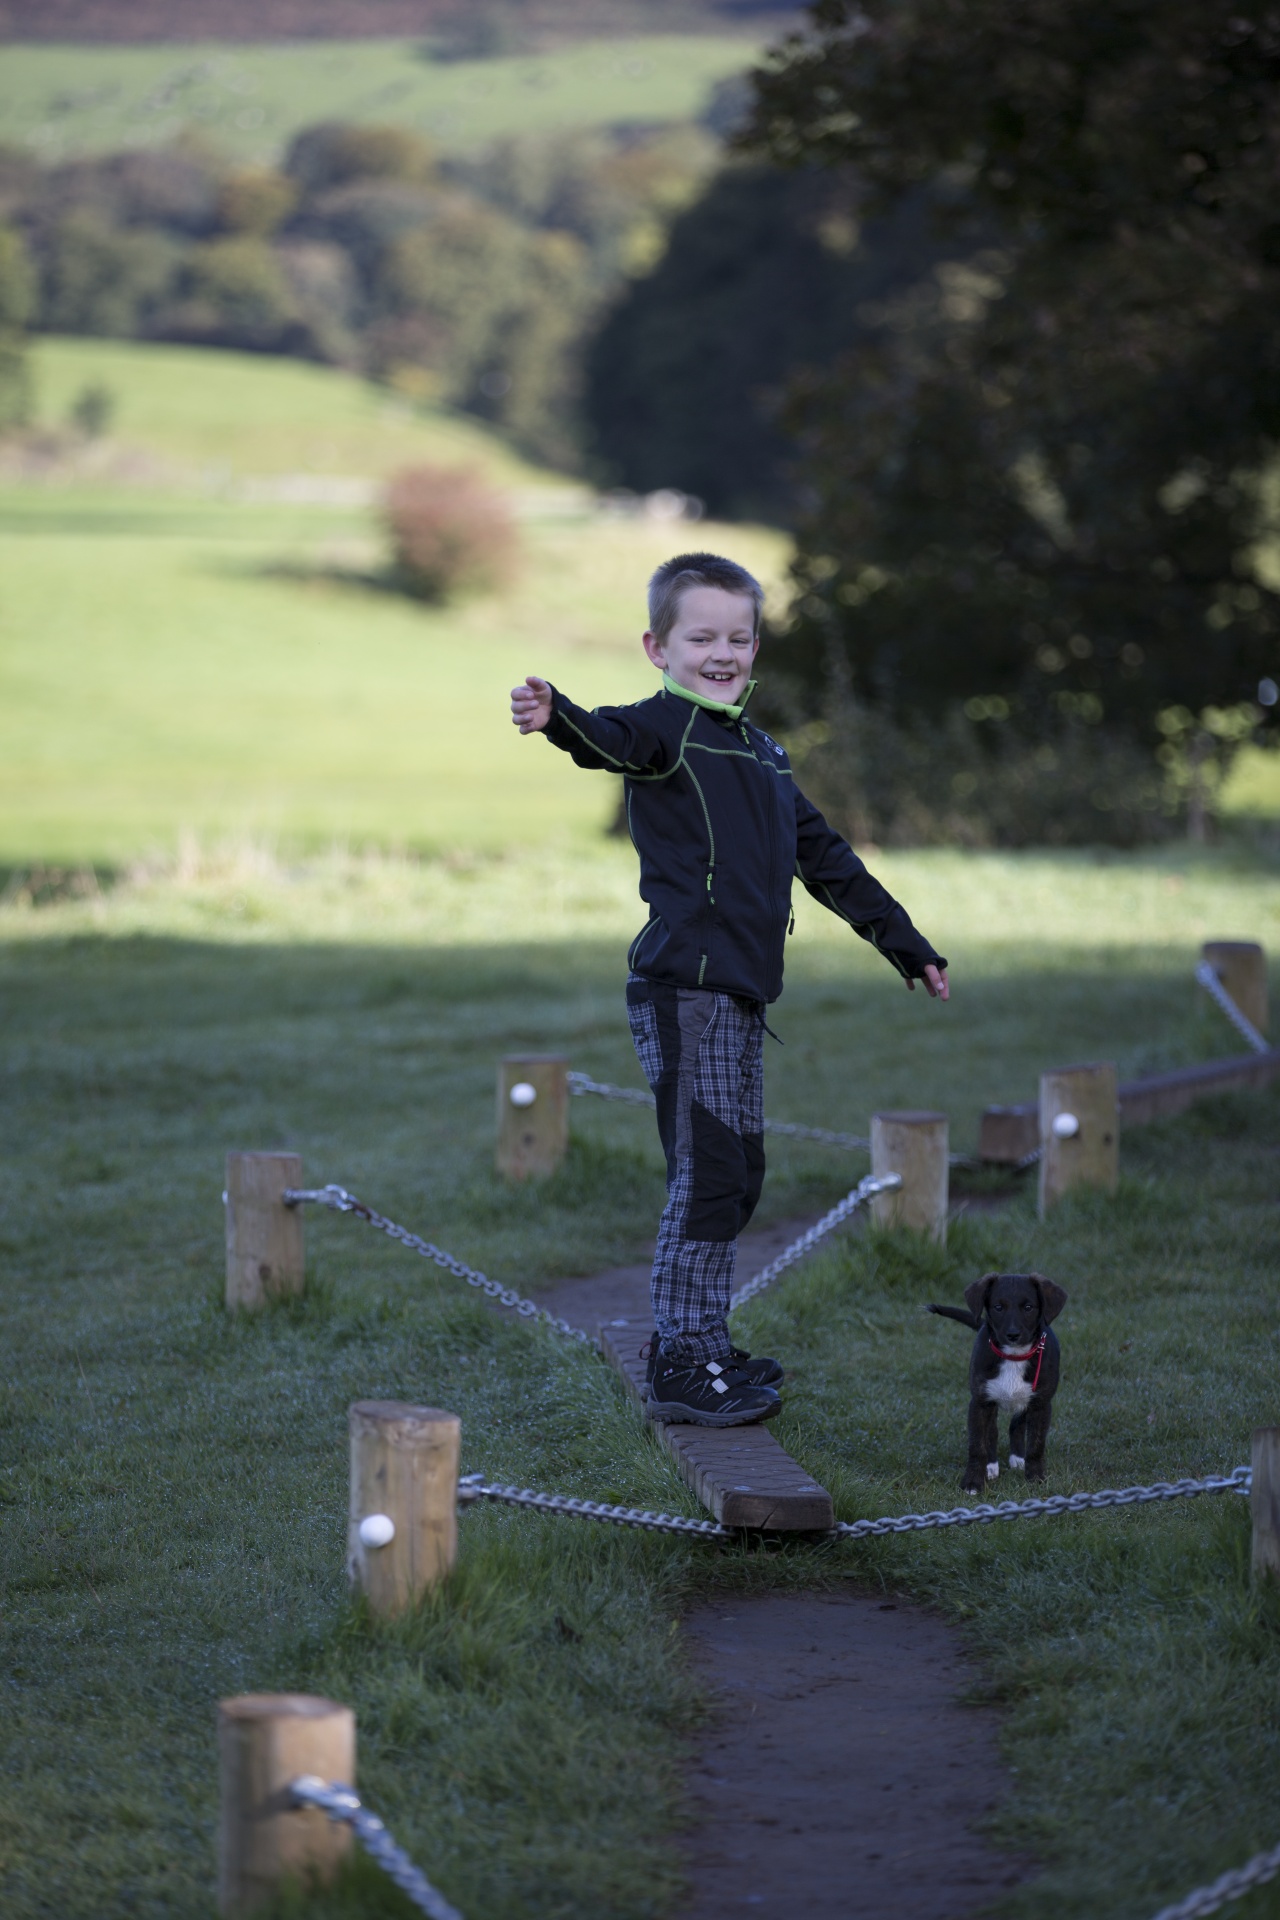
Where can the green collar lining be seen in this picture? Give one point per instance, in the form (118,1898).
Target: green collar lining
(701,700)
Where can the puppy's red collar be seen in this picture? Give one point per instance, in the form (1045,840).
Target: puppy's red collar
(1038,1351)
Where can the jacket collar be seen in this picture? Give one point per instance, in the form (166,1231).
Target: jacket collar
(701,700)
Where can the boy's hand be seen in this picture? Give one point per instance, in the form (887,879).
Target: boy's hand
(531,705)
(935,983)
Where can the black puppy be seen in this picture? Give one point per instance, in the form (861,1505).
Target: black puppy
(1014,1364)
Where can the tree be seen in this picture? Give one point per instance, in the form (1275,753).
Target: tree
(1041,488)
(17,303)
(100,280)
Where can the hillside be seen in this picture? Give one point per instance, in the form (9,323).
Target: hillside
(63,101)
(142,21)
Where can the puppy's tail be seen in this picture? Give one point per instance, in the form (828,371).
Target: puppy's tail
(962,1314)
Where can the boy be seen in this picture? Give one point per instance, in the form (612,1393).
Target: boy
(721,828)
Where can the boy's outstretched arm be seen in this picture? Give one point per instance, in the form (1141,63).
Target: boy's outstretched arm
(834,874)
(613,739)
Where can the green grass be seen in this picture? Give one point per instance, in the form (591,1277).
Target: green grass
(209,418)
(188,663)
(330,886)
(174,1482)
(64,100)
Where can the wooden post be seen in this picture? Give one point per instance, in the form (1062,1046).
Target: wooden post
(916,1146)
(404,1471)
(264,1237)
(266,1740)
(533,1114)
(1079,1131)
(1241,965)
(1264,1501)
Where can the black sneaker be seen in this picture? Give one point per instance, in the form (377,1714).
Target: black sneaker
(708,1395)
(761,1372)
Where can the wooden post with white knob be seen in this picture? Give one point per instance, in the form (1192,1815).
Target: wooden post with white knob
(1079,1131)
(402,1531)
(1264,1501)
(266,1741)
(533,1114)
(1241,966)
(265,1256)
(914,1145)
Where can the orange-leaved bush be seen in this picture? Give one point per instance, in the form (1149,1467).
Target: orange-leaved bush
(451,531)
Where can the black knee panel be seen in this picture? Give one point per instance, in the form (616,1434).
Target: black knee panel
(720,1178)
(753,1154)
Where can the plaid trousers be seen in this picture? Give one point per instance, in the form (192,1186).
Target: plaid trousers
(701,1052)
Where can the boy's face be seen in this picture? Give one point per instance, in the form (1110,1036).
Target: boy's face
(711,646)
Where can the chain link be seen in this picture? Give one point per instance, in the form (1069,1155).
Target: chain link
(345,1805)
(1239,1481)
(343,1202)
(788,1129)
(864,1191)
(474,1487)
(791,1130)
(1208,978)
(1228,1887)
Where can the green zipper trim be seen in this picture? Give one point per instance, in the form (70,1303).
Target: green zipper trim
(701,700)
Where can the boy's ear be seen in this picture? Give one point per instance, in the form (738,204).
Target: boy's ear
(1053,1298)
(976,1294)
(655,648)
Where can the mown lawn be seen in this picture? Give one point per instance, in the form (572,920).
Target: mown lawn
(281,874)
(65,99)
(185,664)
(174,1482)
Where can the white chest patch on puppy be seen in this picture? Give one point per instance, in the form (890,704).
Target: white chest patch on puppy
(1010,1387)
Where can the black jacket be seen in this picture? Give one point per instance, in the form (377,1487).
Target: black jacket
(721,829)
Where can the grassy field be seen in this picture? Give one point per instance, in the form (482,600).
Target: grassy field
(190,663)
(174,1483)
(66,100)
(281,874)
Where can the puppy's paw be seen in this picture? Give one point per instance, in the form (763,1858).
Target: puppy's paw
(1035,1469)
(993,1469)
(975,1481)
(1016,1462)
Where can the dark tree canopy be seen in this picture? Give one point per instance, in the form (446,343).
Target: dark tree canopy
(768,273)
(1049,481)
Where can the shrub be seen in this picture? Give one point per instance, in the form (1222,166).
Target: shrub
(255,201)
(102,281)
(451,532)
(332,153)
(17,282)
(93,410)
(235,294)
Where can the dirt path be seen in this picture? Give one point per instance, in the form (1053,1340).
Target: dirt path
(838,1778)
(840,1774)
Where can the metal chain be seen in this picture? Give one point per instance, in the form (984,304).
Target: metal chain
(475,1487)
(632,1096)
(345,1805)
(343,1202)
(1208,978)
(865,1190)
(789,1129)
(1238,1482)
(1230,1886)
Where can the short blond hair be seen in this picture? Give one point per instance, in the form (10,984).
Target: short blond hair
(686,570)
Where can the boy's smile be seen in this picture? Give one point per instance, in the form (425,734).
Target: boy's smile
(712,645)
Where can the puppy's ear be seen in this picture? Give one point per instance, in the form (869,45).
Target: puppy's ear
(1053,1298)
(976,1294)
